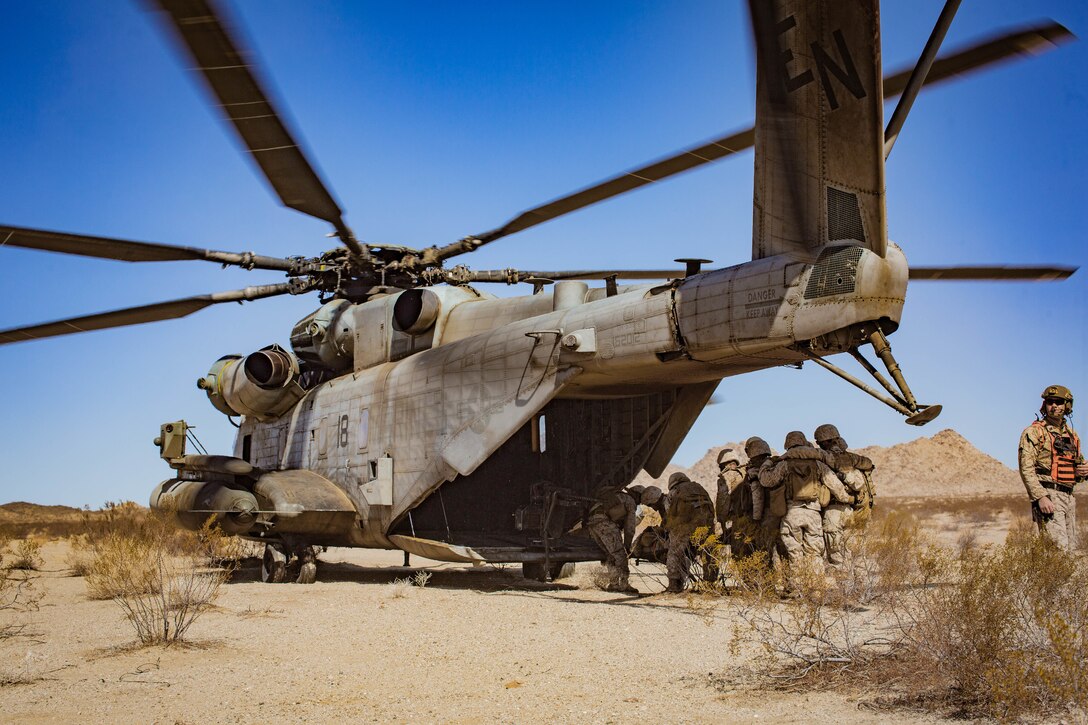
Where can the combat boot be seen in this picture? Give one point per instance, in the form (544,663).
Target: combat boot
(675,586)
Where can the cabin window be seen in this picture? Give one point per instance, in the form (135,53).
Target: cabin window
(247,448)
(539,431)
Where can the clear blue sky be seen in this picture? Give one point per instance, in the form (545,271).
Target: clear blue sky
(435,120)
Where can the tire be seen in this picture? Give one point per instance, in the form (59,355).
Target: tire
(306,557)
(562,570)
(273,564)
(556,570)
(533,570)
(307,573)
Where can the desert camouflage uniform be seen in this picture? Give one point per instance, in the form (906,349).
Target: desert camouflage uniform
(690,508)
(732,506)
(611,523)
(764,512)
(849,469)
(802,526)
(1035,465)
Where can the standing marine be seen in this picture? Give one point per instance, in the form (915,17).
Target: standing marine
(690,508)
(809,482)
(1051,464)
(733,503)
(768,505)
(855,472)
(611,523)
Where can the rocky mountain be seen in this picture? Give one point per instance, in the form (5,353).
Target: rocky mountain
(946,464)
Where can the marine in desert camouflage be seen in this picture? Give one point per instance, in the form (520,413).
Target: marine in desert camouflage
(1051,465)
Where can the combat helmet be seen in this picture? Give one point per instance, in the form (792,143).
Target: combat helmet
(756,446)
(826,432)
(1058,391)
(635,491)
(795,438)
(677,478)
(729,454)
(651,495)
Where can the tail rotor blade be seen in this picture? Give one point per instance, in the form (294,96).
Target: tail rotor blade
(918,75)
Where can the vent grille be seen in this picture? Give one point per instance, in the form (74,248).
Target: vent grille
(835,272)
(843,217)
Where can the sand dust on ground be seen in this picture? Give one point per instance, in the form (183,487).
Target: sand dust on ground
(474,645)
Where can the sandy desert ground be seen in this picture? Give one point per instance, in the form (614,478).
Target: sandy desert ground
(474,645)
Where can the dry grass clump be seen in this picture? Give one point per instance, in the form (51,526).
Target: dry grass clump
(1010,633)
(162,577)
(17,594)
(27,556)
(402,587)
(999,632)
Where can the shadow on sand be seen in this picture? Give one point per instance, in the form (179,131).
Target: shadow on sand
(486,579)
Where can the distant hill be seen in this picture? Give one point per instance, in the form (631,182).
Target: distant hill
(946,464)
(23,512)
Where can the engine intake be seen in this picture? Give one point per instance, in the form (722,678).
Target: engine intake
(263,385)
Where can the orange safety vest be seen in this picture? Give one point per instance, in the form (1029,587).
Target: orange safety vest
(1062,468)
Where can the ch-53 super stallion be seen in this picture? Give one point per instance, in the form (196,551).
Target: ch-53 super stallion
(416,412)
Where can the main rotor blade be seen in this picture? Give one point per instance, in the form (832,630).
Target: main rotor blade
(918,75)
(1007,273)
(128,251)
(231,74)
(138,315)
(512,276)
(1034,40)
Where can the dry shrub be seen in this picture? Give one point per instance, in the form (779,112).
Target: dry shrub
(1010,634)
(79,556)
(17,595)
(162,577)
(845,618)
(27,556)
(996,632)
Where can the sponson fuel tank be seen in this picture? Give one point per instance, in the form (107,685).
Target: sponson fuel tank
(275,504)
(192,503)
(263,385)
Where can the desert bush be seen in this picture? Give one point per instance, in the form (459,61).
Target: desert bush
(79,556)
(1010,633)
(163,578)
(998,632)
(27,556)
(17,595)
(846,617)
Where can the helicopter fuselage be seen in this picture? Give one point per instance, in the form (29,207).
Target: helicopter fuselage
(431,399)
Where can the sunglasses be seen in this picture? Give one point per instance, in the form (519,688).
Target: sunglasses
(1055,401)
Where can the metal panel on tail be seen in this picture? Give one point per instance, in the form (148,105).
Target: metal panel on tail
(819,167)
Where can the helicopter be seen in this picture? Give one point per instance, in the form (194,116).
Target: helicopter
(415,412)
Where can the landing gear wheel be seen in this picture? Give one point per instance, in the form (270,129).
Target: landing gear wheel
(274,564)
(307,571)
(561,570)
(556,570)
(533,570)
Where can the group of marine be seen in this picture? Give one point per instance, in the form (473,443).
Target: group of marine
(785,507)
